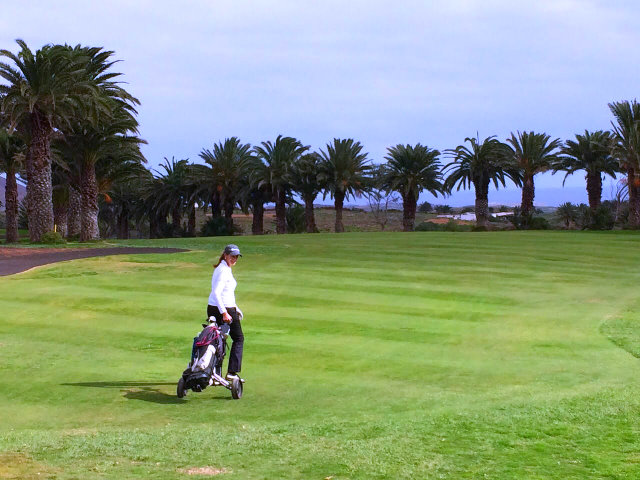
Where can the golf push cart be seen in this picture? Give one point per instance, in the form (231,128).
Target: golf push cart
(207,355)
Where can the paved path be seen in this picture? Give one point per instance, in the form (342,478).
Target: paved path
(15,260)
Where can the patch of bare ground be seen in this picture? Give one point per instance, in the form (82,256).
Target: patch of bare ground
(205,471)
(444,220)
(20,466)
(16,260)
(354,219)
(9,252)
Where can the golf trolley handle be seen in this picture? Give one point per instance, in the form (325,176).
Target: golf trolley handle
(224,329)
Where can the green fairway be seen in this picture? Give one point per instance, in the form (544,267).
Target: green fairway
(367,356)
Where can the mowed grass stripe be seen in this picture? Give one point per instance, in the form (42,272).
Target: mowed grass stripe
(462,357)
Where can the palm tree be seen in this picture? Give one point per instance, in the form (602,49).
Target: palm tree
(258,192)
(533,153)
(229,162)
(306,179)
(169,192)
(109,134)
(87,145)
(410,170)
(11,158)
(204,180)
(45,91)
(60,187)
(123,194)
(278,158)
(65,182)
(567,213)
(627,149)
(345,169)
(479,165)
(590,152)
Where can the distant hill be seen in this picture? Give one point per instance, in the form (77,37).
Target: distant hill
(22,191)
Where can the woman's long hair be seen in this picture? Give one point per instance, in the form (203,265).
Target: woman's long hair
(219,260)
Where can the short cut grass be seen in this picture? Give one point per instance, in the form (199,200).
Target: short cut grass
(467,355)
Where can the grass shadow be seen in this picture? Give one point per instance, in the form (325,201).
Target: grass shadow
(145,391)
(153,395)
(134,390)
(119,384)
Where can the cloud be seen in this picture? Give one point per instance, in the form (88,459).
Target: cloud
(381,72)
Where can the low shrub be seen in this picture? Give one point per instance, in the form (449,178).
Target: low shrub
(168,230)
(602,219)
(216,227)
(52,238)
(428,227)
(527,222)
(450,226)
(296,222)
(538,223)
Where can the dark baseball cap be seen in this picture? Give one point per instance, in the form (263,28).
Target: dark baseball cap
(232,249)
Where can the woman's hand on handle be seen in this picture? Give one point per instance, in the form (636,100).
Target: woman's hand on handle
(226,318)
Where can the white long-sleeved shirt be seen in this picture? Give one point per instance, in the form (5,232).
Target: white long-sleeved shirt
(223,287)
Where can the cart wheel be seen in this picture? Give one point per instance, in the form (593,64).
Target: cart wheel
(236,388)
(181,391)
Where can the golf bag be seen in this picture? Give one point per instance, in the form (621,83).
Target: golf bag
(207,355)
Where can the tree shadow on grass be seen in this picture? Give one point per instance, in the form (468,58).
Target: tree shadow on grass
(132,390)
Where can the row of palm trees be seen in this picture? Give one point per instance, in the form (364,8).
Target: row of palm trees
(68,127)
(63,103)
(236,175)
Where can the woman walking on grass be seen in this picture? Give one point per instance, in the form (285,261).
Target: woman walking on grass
(222,305)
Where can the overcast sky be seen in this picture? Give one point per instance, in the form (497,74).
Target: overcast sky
(381,72)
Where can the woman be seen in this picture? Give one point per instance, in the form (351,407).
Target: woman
(222,305)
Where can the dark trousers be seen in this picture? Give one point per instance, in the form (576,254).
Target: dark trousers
(235,332)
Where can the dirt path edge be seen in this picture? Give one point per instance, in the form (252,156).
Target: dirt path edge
(16,260)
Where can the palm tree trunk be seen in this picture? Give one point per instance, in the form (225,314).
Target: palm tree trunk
(482,201)
(154,228)
(73,214)
(216,208)
(409,202)
(528,194)
(123,223)
(482,212)
(309,215)
(339,204)
(257,223)
(191,226)
(228,212)
(161,225)
(281,212)
(39,189)
(633,183)
(11,207)
(594,190)
(60,214)
(176,219)
(89,204)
